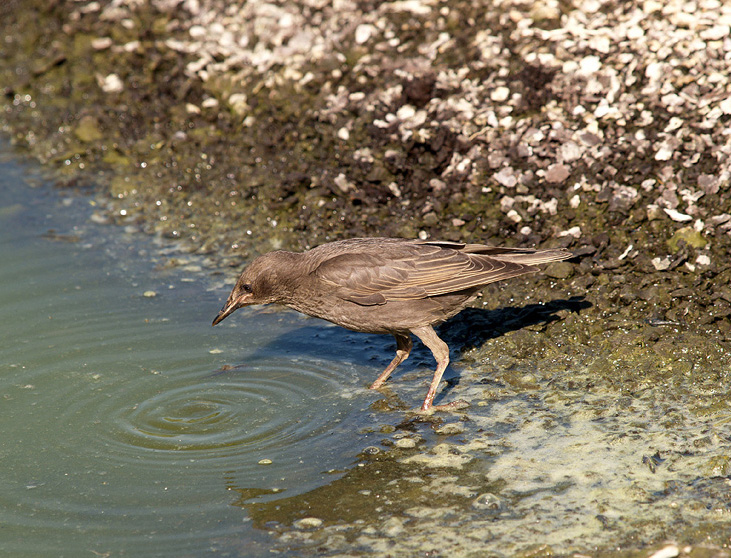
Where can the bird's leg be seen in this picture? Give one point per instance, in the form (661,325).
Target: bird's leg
(403,348)
(440,350)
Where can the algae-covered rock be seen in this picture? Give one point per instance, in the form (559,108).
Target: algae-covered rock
(88,130)
(560,270)
(719,466)
(688,235)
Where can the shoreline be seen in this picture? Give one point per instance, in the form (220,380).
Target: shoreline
(231,131)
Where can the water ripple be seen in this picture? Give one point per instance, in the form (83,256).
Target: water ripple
(219,418)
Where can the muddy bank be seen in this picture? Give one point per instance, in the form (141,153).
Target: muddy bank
(235,129)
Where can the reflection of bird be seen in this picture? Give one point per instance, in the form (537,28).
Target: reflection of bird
(384,285)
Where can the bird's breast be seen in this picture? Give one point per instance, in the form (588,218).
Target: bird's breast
(391,316)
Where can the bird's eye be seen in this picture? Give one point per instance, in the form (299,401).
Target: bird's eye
(246,288)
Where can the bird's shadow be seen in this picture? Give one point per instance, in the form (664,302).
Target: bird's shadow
(473,326)
(470,328)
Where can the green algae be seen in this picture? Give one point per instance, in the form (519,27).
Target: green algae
(689,236)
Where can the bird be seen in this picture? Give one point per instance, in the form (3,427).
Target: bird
(391,286)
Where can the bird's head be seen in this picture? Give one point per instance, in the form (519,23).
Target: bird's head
(259,283)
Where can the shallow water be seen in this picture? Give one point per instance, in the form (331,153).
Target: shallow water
(129,425)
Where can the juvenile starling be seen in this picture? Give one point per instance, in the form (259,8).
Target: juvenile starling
(384,285)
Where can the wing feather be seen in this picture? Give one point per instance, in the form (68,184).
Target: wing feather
(410,271)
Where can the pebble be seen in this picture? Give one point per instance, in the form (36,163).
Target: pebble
(716,33)
(394,189)
(677,215)
(574,232)
(406,112)
(364,32)
(111,83)
(451,428)
(101,43)
(308,523)
(514,216)
(571,151)
(670,551)
(664,153)
(557,173)
(500,94)
(487,501)
(661,263)
(506,176)
(238,103)
(343,184)
(590,65)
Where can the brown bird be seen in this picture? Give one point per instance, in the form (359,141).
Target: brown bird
(384,285)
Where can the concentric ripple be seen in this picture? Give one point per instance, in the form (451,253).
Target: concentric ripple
(258,409)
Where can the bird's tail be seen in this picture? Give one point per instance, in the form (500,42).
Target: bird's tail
(533,257)
(525,256)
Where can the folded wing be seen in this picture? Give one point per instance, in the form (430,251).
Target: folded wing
(425,269)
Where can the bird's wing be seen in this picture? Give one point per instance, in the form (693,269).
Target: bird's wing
(409,272)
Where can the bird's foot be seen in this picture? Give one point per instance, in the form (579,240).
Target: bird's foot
(453,406)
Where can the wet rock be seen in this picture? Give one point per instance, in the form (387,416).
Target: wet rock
(308,523)
(719,466)
(488,502)
(451,429)
(560,270)
(393,527)
(442,455)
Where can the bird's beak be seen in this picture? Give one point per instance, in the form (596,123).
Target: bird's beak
(225,311)
(230,307)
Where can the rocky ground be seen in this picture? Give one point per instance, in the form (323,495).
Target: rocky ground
(233,128)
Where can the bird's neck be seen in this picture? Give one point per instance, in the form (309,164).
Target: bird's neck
(290,272)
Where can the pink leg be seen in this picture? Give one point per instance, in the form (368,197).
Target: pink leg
(440,350)
(403,348)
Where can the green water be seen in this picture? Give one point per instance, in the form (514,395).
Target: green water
(129,426)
